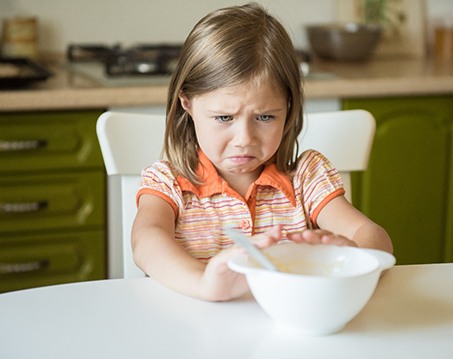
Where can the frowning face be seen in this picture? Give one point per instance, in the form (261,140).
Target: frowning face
(239,128)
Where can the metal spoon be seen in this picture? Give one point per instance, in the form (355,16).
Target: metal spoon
(252,250)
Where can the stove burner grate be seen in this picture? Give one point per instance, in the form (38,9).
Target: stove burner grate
(136,60)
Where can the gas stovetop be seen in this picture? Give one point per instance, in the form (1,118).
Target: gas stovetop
(114,65)
(143,64)
(143,60)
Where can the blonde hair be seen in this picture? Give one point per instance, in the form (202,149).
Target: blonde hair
(229,47)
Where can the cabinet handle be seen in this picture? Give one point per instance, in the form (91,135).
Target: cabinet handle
(22,145)
(23,207)
(23,267)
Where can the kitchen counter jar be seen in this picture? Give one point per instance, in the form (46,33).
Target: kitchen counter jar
(20,37)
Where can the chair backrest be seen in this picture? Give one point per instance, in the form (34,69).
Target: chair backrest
(129,142)
(344,137)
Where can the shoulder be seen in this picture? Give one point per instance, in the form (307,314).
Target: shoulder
(162,169)
(314,169)
(311,160)
(160,176)
(160,179)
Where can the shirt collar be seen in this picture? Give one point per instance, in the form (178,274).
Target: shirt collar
(212,183)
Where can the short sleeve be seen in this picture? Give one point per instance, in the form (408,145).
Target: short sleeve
(317,182)
(159,180)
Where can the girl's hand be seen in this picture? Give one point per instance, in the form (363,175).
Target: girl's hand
(319,236)
(219,282)
(269,238)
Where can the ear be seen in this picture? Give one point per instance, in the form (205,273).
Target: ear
(185,103)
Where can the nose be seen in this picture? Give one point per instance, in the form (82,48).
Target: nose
(244,133)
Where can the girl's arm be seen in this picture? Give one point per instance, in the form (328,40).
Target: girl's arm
(158,254)
(155,250)
(342,224)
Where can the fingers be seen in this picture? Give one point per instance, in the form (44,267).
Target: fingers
(319,236)
(310,236)
(268,238)
(338,241)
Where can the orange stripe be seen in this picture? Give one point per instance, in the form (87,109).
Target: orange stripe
(146,190)
(331,196)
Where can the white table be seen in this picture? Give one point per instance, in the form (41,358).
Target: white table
(409,316)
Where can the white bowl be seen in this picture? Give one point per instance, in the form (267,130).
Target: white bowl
(322,287)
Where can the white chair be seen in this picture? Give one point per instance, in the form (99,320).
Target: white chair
(344,137)
(129,142)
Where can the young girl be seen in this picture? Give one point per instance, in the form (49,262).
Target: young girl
(233,116)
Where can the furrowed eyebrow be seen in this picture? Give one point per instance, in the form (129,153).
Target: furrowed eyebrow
(272,110)
(220,111)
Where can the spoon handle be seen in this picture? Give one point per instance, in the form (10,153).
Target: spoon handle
(253,251)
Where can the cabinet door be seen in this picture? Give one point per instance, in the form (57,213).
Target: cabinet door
(449,232)
(49,141)
(406,184)
(65,201)
(36,260)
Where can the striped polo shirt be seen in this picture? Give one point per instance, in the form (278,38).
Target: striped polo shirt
(203,211)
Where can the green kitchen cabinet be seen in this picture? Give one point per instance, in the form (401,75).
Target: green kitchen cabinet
(52,202)
(30,260)
(52,199)
(408,185)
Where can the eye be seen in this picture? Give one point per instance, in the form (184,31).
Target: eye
(223,118)
(265,118)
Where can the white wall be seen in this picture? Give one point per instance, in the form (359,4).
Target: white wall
(134,21)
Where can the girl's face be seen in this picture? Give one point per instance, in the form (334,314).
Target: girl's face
(239,128)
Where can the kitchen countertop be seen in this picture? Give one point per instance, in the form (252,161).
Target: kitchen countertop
(386,77)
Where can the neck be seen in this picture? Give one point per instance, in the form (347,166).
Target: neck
(241,182)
